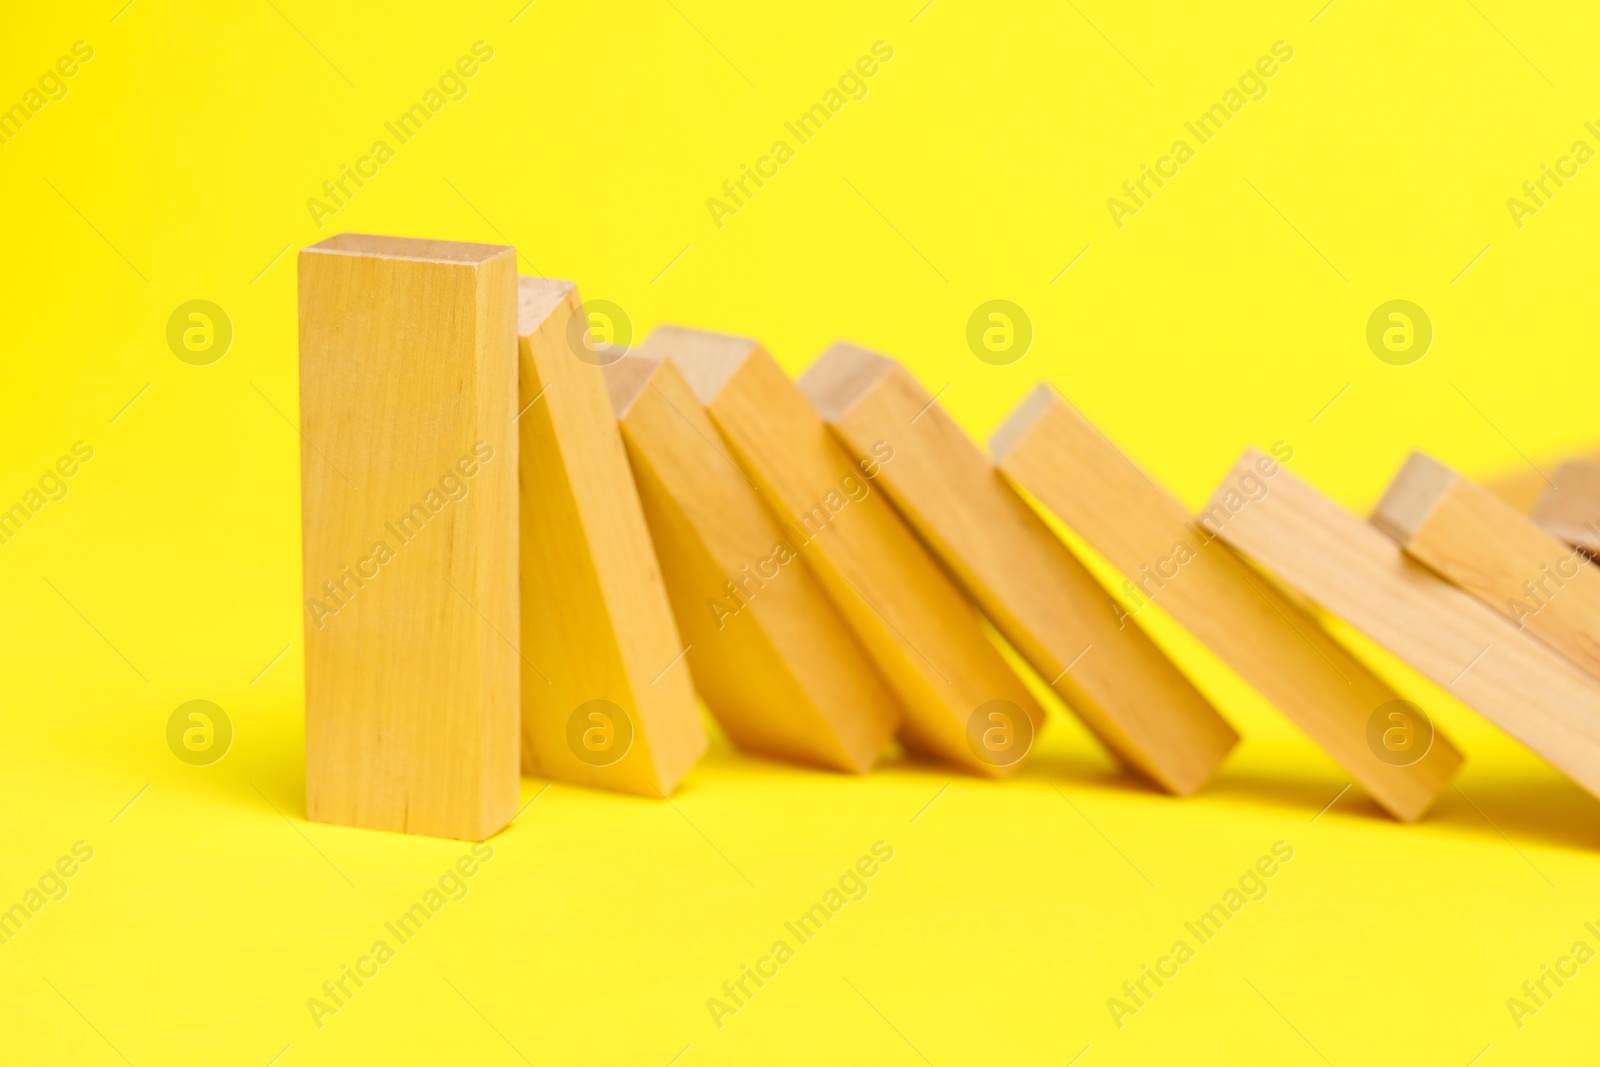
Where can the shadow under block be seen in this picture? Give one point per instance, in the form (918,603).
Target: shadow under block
(1050,450)
(408,383)
(1358,573)
(1570,509)
(924,636)
(596,623)
(1465,533)
(1020,574)
(773,660)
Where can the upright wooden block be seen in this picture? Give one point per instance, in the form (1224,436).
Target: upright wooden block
(1020,574)
(774,661)
(1462,531)
(962,703)
(1050,450)
(1570,509)
(607,700)
(1357,572)
(408,383)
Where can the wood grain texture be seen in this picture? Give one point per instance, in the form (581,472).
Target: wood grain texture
(1462,531)
(408,385)
(1358,573)
(595,618)
(1051,451)
(1020,574)
(1570,509)
(770,655)
(924,636)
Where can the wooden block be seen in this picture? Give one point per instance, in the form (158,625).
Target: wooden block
(1462,531)
(1523,488)
(962,703)
(1050,450)
(607,700)
(774,661)
(1357,572)
(408,383)
(1570,510)
(1020,574)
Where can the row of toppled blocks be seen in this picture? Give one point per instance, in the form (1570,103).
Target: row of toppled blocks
(527,554)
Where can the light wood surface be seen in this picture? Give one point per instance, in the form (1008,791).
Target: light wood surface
(770,655)
(925,637)
(1020,574)
(1465,533)
(1050,450)
(596,622)
(1358,573)
(408,384)
(1570,509)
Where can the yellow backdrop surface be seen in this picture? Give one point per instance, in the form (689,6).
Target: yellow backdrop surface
(185,156)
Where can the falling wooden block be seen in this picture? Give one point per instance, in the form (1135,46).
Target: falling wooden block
(1050,450)
(1570,509)
(606,698)
(772,658)
(1358,573)
(1462,531)
(408,383)
(1020,574)
(962,703)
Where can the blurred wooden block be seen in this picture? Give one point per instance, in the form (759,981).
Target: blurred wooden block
(1464,532)
(408,382)
(607,700)
(1357,572)
(772,658)
(1522,489)
(1570,510)
(1020,574)
(962,703)
(1050,450)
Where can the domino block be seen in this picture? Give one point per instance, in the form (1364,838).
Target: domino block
(607,700)
(1462,531)
(1357,572)
(772,658)
(408,383)
(1019,573)
(1050,450)
(1570,510)
(962,703)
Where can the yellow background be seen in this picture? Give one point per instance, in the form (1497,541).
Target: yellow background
(1229,311)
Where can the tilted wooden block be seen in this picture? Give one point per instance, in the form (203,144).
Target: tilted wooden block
(606,698)
(1359,573)
(408,384)
(1570,509)
(769,653)
(1464,532)
(1020,574)
(1050,450)
(962,703)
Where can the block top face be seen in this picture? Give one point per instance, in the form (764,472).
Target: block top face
(536,299)
(1021,420)
(1411,497)
(377,246)
(627,378)
(707,360)
(841,376)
